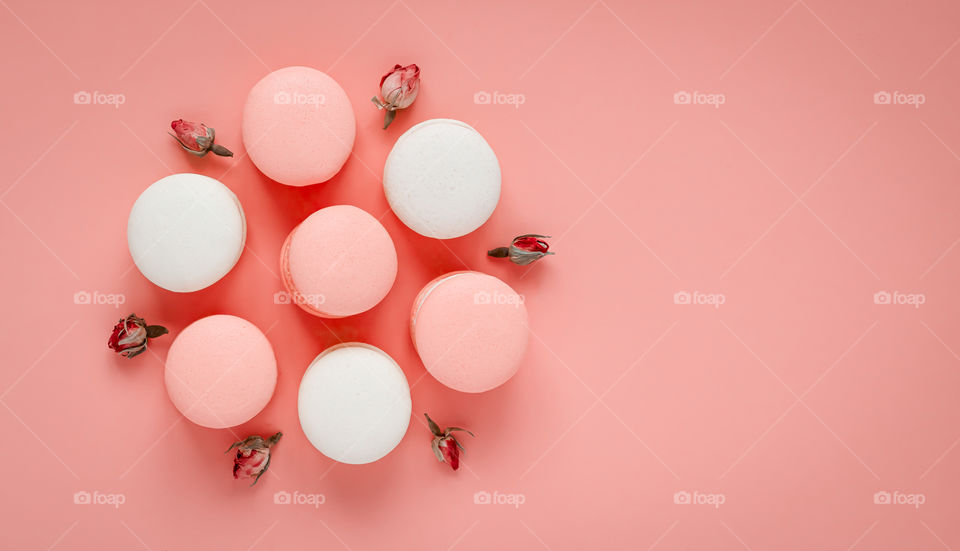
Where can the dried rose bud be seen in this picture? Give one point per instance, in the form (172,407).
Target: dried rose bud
(445,446)
(197,138)
(253,456)
(524,249)
(398,89)
(451,453)
(130,335)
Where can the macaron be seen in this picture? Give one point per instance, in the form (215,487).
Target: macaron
(220,371)
(442,179)
(298,126)
(470,330)
(185,232)
(354,403)
(338,262)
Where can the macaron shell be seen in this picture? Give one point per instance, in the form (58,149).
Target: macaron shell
(470,331)
(442,179)
(338,262)
(354,403)
(186,231)
(220,371)
(298,126)
(422,297)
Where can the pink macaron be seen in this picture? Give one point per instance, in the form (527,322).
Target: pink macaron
(220,371)
(298,126)
(470,330)
(338,262)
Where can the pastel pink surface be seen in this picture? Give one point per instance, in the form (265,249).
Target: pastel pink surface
(655,397)
(470,330)
(298,126)
(220,371)
(338,262)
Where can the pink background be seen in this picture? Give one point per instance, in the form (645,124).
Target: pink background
(795,201)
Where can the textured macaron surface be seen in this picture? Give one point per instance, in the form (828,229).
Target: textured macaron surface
(470,330)
(442,179)
(354,403)
(220,371)
(298,126)
(185,232)
(340,261)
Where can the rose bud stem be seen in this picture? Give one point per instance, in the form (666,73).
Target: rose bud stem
(388,117)
(499,252)
(218,149)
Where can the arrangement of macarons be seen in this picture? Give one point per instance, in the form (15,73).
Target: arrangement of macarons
(442,180)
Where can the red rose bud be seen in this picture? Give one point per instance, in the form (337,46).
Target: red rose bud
(524,249)
(253,456)
(197,138)
(451,453)
(398,89)
(130,335)
(445,445)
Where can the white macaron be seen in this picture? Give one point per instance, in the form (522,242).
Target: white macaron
(442,179)
(354,403)
(185,232)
